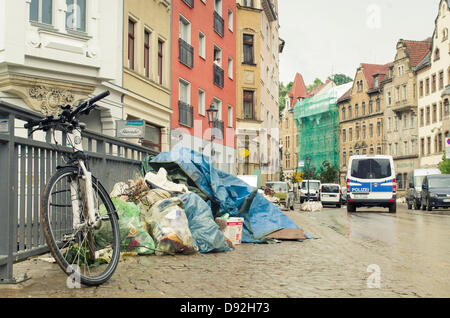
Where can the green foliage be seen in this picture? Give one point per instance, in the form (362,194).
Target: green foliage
(328,173)
(283,91)
(444,166)
(282,176)
(340,79)
(316,83)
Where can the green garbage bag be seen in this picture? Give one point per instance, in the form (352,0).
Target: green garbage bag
(133,236)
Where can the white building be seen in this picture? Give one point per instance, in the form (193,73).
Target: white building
(433,73)
(56,52)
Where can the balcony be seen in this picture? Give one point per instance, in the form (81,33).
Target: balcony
(186,114)
(220,125)
(218,75)
(403,105)
(185,53)
(218,24)
(189,3)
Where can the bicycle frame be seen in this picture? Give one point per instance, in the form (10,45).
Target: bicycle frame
(75,189)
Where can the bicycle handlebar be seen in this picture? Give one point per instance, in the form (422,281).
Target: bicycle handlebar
(66,116)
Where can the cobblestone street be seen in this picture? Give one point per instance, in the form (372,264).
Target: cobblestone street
(331,265)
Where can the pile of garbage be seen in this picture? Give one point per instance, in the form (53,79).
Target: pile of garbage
(311,206)
(181,204)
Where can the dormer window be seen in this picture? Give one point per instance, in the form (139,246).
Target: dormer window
(375,81)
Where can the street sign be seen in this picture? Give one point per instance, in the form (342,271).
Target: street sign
(130,129)
(447,148)
(298,176)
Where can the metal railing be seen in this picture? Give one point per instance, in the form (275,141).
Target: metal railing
(27,163)
(186,114)
(218,75)
(185,53)
(219,24)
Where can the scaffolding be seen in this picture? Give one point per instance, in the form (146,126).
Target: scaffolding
(317,120)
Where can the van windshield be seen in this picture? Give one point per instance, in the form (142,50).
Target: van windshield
(312,185)
(330,189)
(371,168)
(439,182)
(277,186)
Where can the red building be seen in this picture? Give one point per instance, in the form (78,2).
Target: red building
(203,72)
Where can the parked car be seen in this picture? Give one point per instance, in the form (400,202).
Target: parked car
(371,182)
(343,195)
(313,187)
(435,192)
(330,194)
(284,192)
(413,194)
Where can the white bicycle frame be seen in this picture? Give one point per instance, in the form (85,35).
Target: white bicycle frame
(75,188)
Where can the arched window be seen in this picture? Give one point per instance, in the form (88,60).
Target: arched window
(437,54)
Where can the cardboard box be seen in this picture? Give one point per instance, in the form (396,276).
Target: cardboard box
(233,230)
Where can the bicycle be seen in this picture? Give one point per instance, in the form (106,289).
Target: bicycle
(79,220)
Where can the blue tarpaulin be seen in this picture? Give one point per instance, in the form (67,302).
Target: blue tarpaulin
(227,194)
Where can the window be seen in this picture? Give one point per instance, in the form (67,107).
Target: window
(371,130)
(218,104)
(433,83)
(160,61)
(152,137)
(131,25)
(230,68)
(379,129)
(201,102)
(398,93)
(434,115)
(400,70)
(428,145)
(248,49)
(412,120)
(439,142)
(356,110)
(185,92)
(185,30)
(147,53)
(405,148)
(230,116)
(427,86)
(344,135)
(248,3)
(201,45)
(350,134)
(421,89)
(350,112)
(428,115)
(370,107)
(343,113)
(441,110)
(230,20)
(441,79)
(421,122)
(378,105)
(422,146)
(41,11)
(371,168)
(405,121)
(248,105)
(363,108)
(405,92)
(389,123)
(76,15)
(437,55)
(364,132)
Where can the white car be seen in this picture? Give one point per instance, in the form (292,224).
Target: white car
(330,194)
(313,187)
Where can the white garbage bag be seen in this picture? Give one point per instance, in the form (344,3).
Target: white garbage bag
(160,180)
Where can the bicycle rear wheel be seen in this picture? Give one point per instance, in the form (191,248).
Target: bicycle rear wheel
(88,255)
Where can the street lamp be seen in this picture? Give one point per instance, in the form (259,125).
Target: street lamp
(212,118)
(307,164)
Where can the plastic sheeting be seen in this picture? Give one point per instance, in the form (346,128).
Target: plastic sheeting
(226,193)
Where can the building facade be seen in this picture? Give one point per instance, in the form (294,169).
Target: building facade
(361,111)
(400,96)
(59,52)
(317,119)
(203,73)
(258,48)
(433,106)
(146,69)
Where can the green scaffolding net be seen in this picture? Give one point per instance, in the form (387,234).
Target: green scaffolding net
(317,120)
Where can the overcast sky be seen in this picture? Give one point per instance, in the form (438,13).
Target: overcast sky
(335,36)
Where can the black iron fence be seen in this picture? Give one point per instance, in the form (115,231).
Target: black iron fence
(218,24)
(27,163)
(186,114)
(185,53)
(218,75)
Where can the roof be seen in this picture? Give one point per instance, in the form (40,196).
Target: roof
(426,61)
(370,70)
(318,88)
(346,96)
(417,50)
(298,89)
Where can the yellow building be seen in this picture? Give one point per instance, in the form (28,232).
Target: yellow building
(146,69)
(361,112)
(257,107)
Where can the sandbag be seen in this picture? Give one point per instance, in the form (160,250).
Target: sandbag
(204,229)
(166,221)
(133,236)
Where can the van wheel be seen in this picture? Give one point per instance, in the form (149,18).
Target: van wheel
(393,208)
(351,207)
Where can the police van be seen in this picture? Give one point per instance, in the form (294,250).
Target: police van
(371,182)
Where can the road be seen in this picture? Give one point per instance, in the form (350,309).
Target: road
(370,253)
(417,241)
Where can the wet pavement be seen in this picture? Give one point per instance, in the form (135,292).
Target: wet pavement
(370,253)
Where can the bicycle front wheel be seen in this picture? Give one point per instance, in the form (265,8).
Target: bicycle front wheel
(88,254)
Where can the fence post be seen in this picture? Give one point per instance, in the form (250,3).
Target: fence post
(8,197)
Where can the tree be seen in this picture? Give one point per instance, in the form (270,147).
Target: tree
(444,166)
(328,173)
(340,79)
(282,92)
(316,83)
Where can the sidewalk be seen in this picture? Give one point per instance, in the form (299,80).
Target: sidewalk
(329,266)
